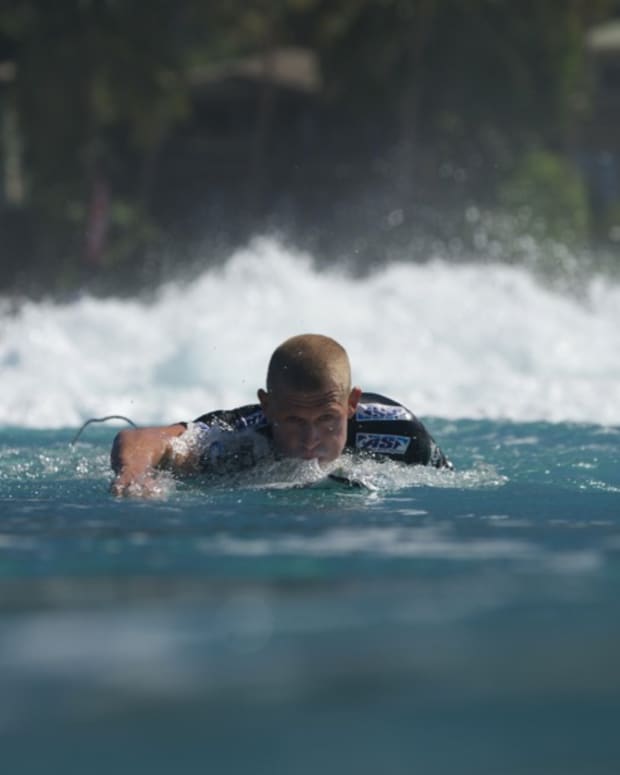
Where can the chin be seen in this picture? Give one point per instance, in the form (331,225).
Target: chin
(318,456)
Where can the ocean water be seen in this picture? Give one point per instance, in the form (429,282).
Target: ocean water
(433,622)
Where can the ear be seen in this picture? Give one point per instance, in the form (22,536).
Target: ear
(354,399)
(263,397)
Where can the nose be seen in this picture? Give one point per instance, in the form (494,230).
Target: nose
(310,437)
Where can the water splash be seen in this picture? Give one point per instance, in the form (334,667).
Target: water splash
(468,340)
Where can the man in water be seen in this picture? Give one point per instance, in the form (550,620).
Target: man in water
(309,411)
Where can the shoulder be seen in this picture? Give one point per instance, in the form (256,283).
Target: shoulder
(248,416)
(384,427)
(228,440)
(374,407)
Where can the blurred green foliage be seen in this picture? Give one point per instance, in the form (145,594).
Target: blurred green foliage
(549,195)
(430,101)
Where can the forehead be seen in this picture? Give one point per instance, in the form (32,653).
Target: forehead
(294,400)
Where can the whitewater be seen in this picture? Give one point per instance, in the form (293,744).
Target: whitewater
(431,621)
(474,340)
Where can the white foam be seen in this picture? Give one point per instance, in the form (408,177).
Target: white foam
(467,340)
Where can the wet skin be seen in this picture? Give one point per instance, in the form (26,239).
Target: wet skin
(310,425)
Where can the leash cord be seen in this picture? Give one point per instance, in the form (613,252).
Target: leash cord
(101,419)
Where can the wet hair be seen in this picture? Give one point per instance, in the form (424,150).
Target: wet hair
(308,363)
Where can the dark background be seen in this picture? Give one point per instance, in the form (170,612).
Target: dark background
(140,140)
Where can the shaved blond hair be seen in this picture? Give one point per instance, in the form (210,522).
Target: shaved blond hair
(309,363)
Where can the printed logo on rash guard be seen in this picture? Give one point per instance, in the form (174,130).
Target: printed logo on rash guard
(370,412)
(251,420)
(379,442)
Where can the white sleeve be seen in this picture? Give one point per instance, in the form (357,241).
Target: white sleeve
(194,441)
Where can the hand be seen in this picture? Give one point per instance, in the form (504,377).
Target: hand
(148,485)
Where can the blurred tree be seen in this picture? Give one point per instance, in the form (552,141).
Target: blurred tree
(411,88)
(98,85)
(457,74)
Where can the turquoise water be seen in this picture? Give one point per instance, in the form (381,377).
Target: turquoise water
(434,623)
(443,622)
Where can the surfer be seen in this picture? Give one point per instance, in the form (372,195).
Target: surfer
(309,411)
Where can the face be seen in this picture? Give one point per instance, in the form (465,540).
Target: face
(309,425)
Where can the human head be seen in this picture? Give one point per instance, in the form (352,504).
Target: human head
(309,397)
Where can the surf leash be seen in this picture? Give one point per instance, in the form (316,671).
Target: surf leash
(101,419)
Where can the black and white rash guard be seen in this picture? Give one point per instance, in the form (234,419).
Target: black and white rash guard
(236,439)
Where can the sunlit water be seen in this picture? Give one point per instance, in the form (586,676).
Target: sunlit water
(431,622)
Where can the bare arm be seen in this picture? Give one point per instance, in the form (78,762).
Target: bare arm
(138,453)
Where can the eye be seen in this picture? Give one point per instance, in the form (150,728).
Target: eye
(293,420)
